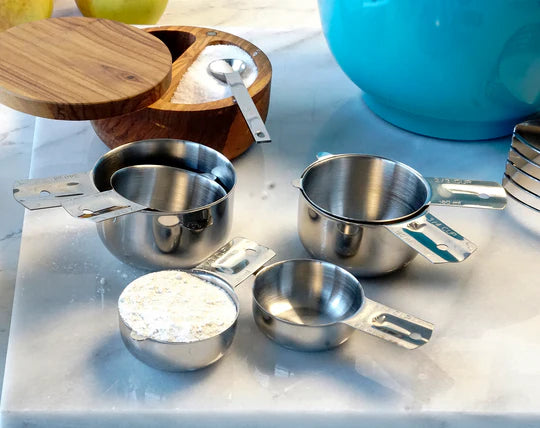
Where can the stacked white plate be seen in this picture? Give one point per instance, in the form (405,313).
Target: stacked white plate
(522,175)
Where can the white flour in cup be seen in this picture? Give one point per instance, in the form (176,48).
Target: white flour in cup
(176,306)
(198,86)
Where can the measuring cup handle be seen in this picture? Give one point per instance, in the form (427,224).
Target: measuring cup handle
(391,325)
(101,206)
(248,108)
(467,193)
(433,239)
(40,193)
(237,260)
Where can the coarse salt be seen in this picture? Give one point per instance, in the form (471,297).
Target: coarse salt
(176,306)
(198,86)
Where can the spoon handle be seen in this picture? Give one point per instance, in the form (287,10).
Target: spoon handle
(248,108)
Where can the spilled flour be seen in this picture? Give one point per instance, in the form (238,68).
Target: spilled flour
(176,306)
(197,86)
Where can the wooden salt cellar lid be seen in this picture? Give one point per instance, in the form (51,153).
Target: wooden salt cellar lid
(81,68)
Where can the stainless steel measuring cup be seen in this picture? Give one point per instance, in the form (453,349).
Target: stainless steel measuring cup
(228,267)
(148,239)
(371,214)
(312,305)
(154,187)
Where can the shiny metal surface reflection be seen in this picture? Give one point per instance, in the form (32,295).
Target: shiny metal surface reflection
(166,189)
(311,305)
(150,239)
(371,215)
(147,240)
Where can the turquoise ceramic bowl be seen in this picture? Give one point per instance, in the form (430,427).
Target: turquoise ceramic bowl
(455,69)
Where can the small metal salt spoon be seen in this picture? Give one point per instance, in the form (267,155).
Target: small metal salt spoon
(229,71)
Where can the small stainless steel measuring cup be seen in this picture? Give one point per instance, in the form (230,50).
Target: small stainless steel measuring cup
(154,187)
(312,305)
(228,267)
(371,214)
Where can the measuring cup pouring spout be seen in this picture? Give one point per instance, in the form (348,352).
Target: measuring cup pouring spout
(371,214)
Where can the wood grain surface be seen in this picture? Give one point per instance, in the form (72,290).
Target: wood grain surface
(217,124)
(81,68)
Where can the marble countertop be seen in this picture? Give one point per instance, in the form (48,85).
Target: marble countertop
(67,365)
(17,129)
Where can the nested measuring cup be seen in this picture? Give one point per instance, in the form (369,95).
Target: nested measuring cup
(228,267)
(371,215)
(312,305)
(148,239)
(154,187)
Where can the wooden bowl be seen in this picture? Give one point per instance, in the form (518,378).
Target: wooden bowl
(217,124)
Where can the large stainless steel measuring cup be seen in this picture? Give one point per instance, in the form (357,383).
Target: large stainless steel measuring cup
(311,305)
(149,239)
(228,267)
(371,215)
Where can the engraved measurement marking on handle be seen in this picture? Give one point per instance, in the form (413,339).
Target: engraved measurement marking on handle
(449,202)
(457,192)
(442,180)
(434,240)
(451,232)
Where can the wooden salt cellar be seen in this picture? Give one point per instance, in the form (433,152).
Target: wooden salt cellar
(217,124)
(123,78)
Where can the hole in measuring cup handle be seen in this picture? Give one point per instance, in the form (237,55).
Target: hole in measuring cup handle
(237,260)
(466,193)
(433,239)
(392,325)
(50,192)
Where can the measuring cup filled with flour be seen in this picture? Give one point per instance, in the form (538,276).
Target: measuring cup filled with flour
(183,320)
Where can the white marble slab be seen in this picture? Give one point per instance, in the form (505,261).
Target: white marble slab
(16,135)
(68,367)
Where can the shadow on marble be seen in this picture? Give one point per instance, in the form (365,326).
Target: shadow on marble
(524,219)
(363,366)
(121,376)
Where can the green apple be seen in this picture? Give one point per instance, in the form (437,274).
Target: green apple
(14,12)
(128,11)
